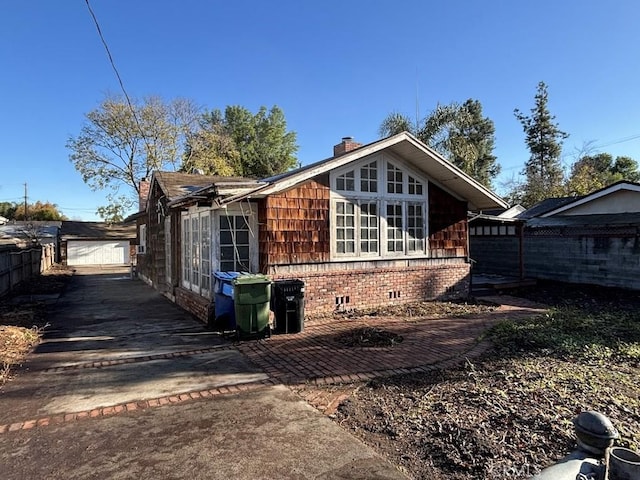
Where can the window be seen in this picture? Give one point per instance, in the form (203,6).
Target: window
(415,227)
(186,252)
(205,253)
(415,187)
(369,178)
(346,182)
(369,228)
(345,228)
(379,208)
(167,249)
(142,246)
(196,252)
(395,241)
(234,243)
(394,179)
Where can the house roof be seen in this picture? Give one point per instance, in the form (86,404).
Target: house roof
(591,220)
(97,231)
(19,230)
(442,172)
(184,187)
(545,206)
(577,201)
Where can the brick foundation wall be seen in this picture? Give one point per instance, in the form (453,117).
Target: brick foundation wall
(195,304)
(327,291)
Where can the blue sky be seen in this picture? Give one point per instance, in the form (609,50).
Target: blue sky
(336,68)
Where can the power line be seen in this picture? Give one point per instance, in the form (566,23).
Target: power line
(113,65)
(620,140)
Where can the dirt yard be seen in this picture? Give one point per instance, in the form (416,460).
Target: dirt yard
(509,414)
(504,416)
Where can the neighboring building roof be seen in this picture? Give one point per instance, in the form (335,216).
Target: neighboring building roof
(97,231)
(442,172)
(512,212)
(545,206)
(19,230)
(594,196)
(592,220)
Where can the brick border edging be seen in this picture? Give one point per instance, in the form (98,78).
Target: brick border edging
(135,405)
(478,349)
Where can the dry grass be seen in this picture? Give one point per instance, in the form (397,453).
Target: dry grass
(22,325)
(15,345)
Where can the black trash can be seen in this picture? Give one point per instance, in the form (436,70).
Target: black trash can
(288,306)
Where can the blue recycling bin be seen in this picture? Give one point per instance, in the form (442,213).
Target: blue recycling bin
(224,305)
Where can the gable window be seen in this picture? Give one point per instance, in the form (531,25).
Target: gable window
(415,186)
(394,179)
(346,182)
(369,178)
(385,214)
(196,252)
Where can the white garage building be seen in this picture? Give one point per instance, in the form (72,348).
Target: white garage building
(96,243)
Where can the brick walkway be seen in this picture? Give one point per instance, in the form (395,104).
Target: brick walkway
(320,369)
(316,357)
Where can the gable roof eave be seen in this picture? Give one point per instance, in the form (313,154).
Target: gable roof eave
(406,146)
(603,192)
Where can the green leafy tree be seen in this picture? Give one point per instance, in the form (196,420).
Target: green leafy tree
(120,143)
(211,148)
(8,210)
(592,172)
(112,213)
(543,170)
(458,132)
(37,211)
(241,143)
(397,122)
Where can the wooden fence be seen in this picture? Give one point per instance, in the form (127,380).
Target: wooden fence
(18,265)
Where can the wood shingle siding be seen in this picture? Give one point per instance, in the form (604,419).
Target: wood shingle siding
(294,225)
(447,224)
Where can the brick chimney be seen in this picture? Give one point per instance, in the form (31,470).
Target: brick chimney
(143,194)
(346,145)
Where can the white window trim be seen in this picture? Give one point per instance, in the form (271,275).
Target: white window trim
(382,198)
(167,249)
(250,212)
(142,245)
(185,252)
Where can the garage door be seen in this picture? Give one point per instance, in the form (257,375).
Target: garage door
(98,252)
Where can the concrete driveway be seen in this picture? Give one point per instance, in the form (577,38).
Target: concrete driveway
(128,385)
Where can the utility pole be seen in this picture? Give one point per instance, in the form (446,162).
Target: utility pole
(26,216)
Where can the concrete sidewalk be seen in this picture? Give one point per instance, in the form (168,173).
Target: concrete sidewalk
(127,385)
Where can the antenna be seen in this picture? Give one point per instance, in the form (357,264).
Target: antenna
(417,105)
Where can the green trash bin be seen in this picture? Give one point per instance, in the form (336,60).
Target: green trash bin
(252,296)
